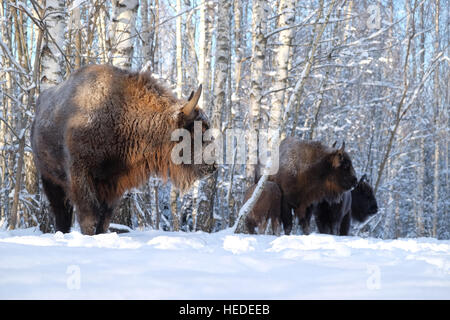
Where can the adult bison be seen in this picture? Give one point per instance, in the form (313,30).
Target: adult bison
(336,218)
(267,208)
(310,172)
(103,131)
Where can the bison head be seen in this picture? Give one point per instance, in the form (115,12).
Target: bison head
(364,203)
(189,152)
(342,174)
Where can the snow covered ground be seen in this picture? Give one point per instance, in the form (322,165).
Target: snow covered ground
(175,265)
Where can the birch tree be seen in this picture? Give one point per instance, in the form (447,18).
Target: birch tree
(52,50)
(259,28)
(204,190)
(286,12)
(122,32)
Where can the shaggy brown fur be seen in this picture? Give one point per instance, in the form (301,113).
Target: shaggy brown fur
(267,207)
(333,218)
(103,131)
(364,203)
(336,218)
(309,173)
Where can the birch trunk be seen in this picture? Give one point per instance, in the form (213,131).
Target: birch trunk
(205,193)
(179,53)
(176,221)
(101,25)
(436,125)
(421,154)
(235,111)
(286,10)
(204,45)
(259,26)
(145,32)
(222,63)
(51,52)
(123,31)
(190,67)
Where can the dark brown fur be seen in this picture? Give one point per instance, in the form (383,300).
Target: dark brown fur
(333,218)
(267,207)
(364,203)
(336,218)
(310,172)
(101,132)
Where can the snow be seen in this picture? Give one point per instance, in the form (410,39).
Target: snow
(176,265)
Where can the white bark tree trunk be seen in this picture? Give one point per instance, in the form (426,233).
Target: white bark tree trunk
(179,53)
(222,63)
(436,125)
(259,26)
(205,189)
(204,49)
(51,57)
(122,32)
(286,10)
(145,32)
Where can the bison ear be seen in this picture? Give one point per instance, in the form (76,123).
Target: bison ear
(189,107)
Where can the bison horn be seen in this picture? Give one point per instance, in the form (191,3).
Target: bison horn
(192,102)
(191,95)
(334,144)
(364,177)
(343,147)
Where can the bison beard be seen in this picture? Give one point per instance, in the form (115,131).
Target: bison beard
(309,173)
(103,131)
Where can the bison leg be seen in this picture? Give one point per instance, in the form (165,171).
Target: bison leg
(276,226)
(94,218)
(275,218)
(62,209)
(262,225)
(250,224)
(286,217)
(323,225)
(304,217)
(93,214)
(345,225)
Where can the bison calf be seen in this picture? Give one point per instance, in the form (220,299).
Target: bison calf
(267,208)
(336,218)
(103,131)
(309,173)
